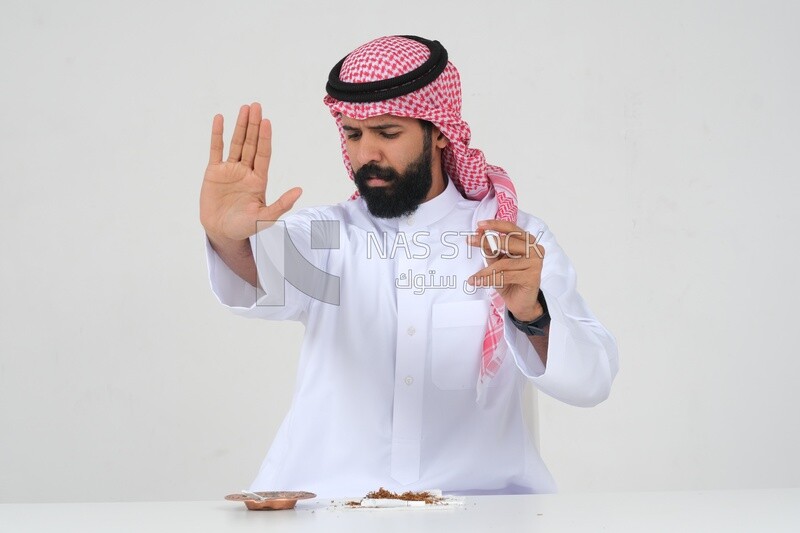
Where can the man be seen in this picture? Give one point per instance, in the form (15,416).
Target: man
(429,302)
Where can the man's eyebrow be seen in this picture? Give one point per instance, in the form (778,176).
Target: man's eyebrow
(378,127)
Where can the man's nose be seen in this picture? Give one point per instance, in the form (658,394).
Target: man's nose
(368,152)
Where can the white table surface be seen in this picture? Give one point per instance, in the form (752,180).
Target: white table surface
(725,511)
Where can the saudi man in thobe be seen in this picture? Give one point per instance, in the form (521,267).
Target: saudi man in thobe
(429,299)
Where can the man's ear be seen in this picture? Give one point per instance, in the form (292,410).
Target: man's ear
(439,140)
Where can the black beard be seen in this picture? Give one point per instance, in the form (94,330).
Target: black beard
(404,192)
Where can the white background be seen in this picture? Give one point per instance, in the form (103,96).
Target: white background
(658,140)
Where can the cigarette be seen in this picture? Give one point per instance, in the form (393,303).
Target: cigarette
(493,238)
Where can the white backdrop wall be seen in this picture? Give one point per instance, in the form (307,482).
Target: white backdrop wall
(658,140)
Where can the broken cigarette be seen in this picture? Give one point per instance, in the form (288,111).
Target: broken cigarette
(493,238)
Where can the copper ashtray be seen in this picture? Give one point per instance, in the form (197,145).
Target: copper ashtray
(272,500)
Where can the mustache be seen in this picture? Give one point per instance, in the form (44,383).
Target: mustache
(374,171)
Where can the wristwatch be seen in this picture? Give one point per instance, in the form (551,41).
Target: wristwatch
(534,327)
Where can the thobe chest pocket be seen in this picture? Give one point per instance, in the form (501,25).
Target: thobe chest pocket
(457,332)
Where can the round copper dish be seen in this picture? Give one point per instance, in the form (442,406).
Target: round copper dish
(275,500)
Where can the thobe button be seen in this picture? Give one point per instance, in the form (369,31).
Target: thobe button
(409,380)
(410,221)
(411,330)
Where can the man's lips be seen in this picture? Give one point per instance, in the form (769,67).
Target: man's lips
(377,182)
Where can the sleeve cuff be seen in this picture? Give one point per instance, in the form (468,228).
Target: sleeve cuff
(231,290)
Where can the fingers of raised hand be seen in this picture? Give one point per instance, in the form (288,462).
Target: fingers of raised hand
(263,149)
(251,138)
(217,144)
(239,132)
(280,206)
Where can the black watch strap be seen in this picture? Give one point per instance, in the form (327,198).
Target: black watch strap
(534,327)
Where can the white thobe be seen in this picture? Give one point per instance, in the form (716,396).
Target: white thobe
(386,383)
